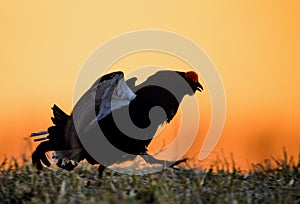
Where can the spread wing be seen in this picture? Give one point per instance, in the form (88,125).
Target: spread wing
(108,93)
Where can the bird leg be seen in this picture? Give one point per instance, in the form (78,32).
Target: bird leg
(39,154)
(101,169)
(151,160)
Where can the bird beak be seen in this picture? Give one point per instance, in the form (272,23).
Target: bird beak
(199,87)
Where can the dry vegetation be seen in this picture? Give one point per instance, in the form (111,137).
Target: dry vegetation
(274,181)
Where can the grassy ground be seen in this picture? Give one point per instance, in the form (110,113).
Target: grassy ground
(275,181)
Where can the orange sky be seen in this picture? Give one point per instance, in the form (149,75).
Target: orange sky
(254,45)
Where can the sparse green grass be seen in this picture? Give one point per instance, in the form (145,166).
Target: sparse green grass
(275,181)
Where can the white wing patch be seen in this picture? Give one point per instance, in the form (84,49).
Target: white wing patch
(112,95)
(122,95)
(103,96)
(108,95)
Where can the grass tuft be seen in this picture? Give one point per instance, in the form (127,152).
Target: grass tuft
(273,181)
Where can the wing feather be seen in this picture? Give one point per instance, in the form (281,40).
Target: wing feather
(107,94)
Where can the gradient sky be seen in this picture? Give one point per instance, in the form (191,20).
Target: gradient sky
(254,45)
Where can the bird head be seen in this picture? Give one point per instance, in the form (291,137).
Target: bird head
(192,78)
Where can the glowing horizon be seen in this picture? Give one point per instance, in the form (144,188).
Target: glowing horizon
(254,45)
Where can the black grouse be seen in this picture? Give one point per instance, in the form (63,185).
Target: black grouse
(124,114)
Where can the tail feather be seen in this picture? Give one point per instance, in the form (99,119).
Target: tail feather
(51,142)
(41,139)
(60,117)
(67,157)
(57,140)
(34,134)
(59,120)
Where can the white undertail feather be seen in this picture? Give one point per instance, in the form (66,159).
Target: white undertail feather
(67,156)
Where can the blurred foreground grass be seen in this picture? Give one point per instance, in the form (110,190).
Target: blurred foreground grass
(274,181)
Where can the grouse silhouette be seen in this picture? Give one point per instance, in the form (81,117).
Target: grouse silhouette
(122,111)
